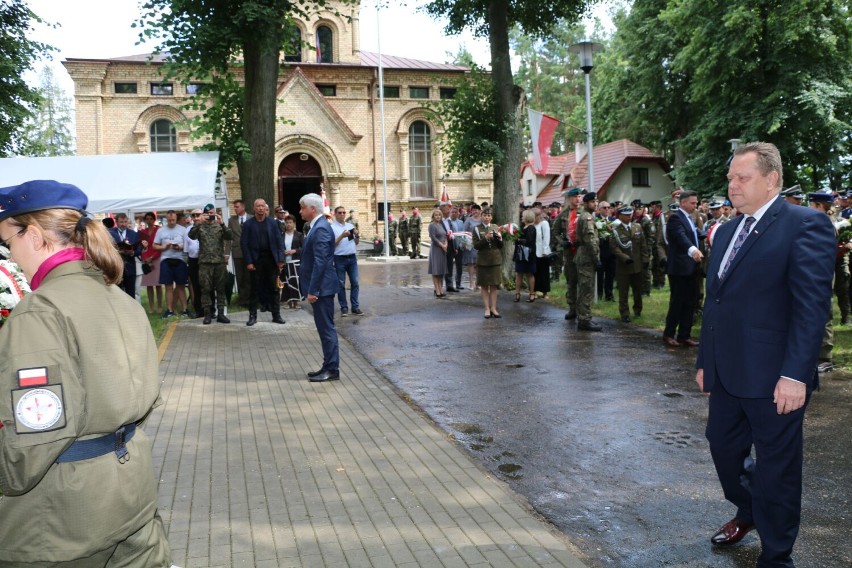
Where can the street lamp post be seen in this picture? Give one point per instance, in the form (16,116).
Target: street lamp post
(586,49)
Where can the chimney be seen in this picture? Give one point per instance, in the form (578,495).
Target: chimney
(579,151)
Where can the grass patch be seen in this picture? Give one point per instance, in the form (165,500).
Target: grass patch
(160,325)
(654,317)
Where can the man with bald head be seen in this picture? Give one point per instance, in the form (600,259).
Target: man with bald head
(263,253)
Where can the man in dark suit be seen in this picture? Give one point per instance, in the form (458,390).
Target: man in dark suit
(319,283)
(235,224)
(682,267)
(768,298)
(129,247)
(263,252)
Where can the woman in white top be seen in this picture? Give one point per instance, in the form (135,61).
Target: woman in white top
(542,253)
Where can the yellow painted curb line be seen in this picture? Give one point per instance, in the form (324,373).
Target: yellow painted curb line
(164,344)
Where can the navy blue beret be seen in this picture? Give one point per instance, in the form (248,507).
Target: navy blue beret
(38,195)
(819,197)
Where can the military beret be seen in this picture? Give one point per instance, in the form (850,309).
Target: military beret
(38,195)
(209,207)
(591,196)
(727,203)
(636,203)
(555,204)
(820,197)
(573,192)
(626,210)
(617,204)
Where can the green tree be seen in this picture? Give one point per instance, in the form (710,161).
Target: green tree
(47,132)
(687,76)
(494,19)
(17,56)
(208,40)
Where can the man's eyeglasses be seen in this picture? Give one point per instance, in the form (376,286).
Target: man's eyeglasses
(6,243)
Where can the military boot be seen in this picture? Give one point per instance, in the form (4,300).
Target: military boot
(222,318)
(208,316)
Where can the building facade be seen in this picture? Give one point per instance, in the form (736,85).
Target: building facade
(330,133)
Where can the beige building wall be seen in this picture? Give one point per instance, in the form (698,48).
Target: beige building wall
(341,132)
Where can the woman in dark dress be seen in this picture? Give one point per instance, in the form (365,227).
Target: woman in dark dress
(488,243)
(437,252)
(525,256)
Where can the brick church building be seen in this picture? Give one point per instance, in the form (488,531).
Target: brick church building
(328,94)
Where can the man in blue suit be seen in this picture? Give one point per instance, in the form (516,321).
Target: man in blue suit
(683,257)
(769,289)
(129,247)
(318,282)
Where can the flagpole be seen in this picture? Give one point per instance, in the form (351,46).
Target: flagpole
(382,122)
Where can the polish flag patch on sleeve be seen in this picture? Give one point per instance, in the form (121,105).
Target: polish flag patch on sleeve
(33,377)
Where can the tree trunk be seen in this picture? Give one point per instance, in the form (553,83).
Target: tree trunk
(507,176)
(257,171)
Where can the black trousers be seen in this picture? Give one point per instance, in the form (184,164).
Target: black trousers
(128,281)
(263,287)
(682,303)
(195,282)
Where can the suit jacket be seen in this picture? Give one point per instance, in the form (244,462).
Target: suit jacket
(133,242)
(766,318)
(233,247)
(250,239)
(317,274)
(680,237)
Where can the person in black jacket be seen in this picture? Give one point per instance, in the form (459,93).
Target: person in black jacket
(263,253)
(684,258)
(524,256)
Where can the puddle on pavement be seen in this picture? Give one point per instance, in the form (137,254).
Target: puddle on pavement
(511,470)
(673,394)
(472,436)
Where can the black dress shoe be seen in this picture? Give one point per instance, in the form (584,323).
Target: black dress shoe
(571,315)
(451,290)
(252,319)
(277,319)
(316,373)
(625,319)
(326,376)
(731,533)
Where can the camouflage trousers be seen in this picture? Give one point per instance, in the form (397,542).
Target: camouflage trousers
(841,285)
(556,265)
(415,246)
(213,279)
(403,239)
(585,290)
(392,243)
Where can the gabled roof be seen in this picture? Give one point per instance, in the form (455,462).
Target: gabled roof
(298,78)
(608,159)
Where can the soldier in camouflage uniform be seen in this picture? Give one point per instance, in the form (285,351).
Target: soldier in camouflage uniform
(640,215)
(658,246)
(632,253)
(392,227)
(566,227)
(414,233)
(586,260)
(555,242)
(403,232)
(211,234)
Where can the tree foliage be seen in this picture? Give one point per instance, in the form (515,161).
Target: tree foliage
(494,19)
(47,132)
(17,56)
(685,76)
(207,40)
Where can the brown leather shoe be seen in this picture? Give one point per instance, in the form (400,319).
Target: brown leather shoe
(731,533)
(688,342)
(671,341)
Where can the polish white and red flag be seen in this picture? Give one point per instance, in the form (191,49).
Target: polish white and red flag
(542,127)
(445,197)
(326,210)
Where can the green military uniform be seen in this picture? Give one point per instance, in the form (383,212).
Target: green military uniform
(560,232)
(94,345)
(841,274)
(629,245)
(556,249)
(585,261)
(403,235)
(353,221)
(212,269)
(649,231)
(659,250)
(392,226)
(414,235)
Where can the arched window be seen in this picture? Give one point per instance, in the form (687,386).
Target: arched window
(163,136)
(293,43)
(324,45)
(420,159)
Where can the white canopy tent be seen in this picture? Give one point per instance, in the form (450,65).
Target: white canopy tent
(127,182)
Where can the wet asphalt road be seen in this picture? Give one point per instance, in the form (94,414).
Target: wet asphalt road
(602,433)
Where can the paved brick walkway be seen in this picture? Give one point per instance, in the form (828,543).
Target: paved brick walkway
(259,467)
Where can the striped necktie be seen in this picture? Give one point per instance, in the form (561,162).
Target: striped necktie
(741,237)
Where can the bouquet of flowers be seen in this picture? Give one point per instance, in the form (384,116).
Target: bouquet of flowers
(509,231)
(462,239)
(13,285)
(605,227)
